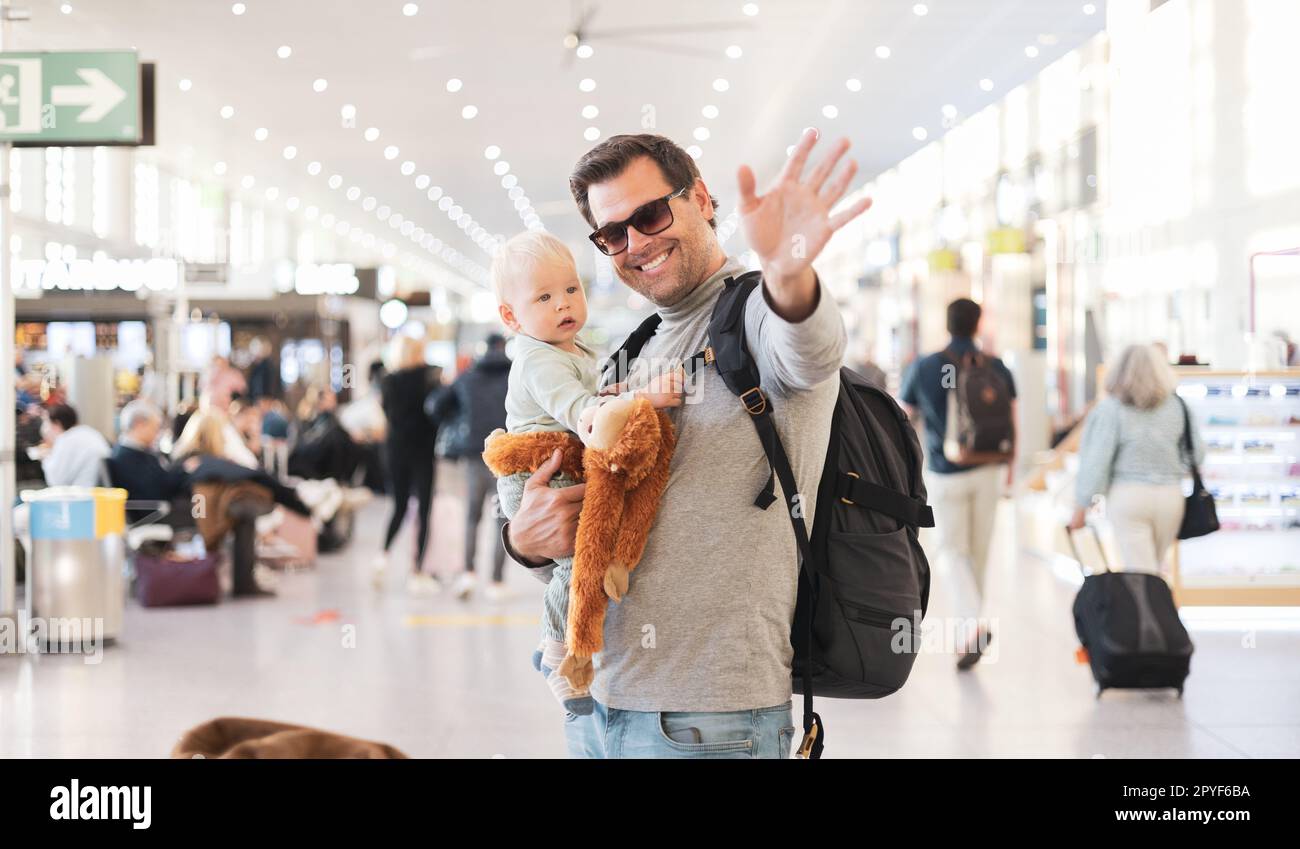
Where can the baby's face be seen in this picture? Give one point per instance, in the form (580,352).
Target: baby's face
(548,304)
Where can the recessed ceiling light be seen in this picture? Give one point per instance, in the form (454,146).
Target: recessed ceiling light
(227,112)
(920,10)
(591,133)
(291,204)
(701,133)
(320,84)
(290,152)
(883,52)
(238,8)
(585,51)
(734,52)
(501,168)
(445,202)
(368,204)
(422,182)
(1089,9)
(354,193)
(408,168)
(348,112)
(590,111)
(391,152)
(1047,39)
(949,111)
(335,181)
(453,85)
(695,151)
(986,84)
(410,10)
(313,168)
(709,111)
(721,84)
(435,192)
(218,168)
(587,84)
(919,133)
(830,111)
(284,51)
(750,9)
(1031,51)
(247,182)
(272,193)
(469,112)
(491,152)
(185,85)
(260,134)
(371,133)
(509,181)
(382,213)
(515,193)
(454,212)
(853,84)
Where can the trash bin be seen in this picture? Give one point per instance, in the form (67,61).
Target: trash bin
(76,573)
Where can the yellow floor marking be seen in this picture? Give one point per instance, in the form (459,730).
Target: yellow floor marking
(458,620)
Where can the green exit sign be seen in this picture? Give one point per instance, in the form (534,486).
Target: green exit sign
(56,98)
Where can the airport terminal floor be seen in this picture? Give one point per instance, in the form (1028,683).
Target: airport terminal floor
(439,677)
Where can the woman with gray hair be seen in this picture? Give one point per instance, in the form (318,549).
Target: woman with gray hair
(1132,453)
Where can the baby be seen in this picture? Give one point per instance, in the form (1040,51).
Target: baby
(553,392)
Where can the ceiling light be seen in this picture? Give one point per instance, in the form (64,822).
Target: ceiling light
(371,133)
(853,84)
(319,85)
(469,112)
(445,202)
(238,8)
(516,192)
(284,51)
(368,204)
(391,152)
(247,182)
(830,111)
(920,10)
(585,51)
(260,134)
(455,212)
(410,9)
(218,168)
(509,181)
(1031,51)
(335,181)
(701,133)
(408,168)
(383,212)
(587,84)
(591,133)
(710,111)
(291,204)
(986,84)
(290,152)
(590,111)
(750,9)
(500,168)
(313,168)
(453,85)
(354,193)
(185,85)
(491,151)
(919,133)
(435,192)
(883,52)
(1089,9)
(272,193)
(695,151)
(348,112)
(227,112)
(721,84)
(734,52)
(949,111)
(422,182)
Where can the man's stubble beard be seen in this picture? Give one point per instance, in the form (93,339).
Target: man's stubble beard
(693,258)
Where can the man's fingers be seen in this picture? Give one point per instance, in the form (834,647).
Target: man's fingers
(824,168)
(839,219)
(542,477)
(835,188)
(746,184)
(794,165)
(571,493)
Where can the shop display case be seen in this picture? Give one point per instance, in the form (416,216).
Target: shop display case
(1251,426)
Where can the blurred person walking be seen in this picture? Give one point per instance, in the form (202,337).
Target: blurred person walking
(475,405)
(964,495)
(1133,453)
(410,456)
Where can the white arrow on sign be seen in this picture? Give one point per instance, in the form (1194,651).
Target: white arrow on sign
(99,95)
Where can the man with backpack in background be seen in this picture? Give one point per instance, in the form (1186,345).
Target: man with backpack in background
(966,400)
(697,655)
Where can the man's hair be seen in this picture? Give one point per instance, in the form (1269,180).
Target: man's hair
(963,317)
(63,416)
(611,157)
(522,253)
(136,412)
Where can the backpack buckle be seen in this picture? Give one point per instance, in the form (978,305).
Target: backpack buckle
(755,407)
(708,355)
(846,500)
(804,752)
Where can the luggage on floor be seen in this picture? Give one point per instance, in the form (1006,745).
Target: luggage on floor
(1129,627)
(165,577)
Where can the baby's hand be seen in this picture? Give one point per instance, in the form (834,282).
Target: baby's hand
(665,390)
(586,417)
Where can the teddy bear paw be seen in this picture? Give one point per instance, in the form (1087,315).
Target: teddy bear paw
(616,582)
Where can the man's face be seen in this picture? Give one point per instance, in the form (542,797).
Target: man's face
(684,252)
(146,431)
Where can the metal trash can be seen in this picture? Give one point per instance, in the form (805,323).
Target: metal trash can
(78,559)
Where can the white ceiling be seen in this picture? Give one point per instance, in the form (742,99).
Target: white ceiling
(797,55)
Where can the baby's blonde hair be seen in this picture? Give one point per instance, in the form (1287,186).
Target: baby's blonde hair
(524,252)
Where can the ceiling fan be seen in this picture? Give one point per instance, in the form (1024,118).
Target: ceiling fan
(578,34)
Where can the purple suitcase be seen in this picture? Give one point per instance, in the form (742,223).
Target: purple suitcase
(162,582)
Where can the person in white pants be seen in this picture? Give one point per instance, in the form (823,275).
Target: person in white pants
(1133,452)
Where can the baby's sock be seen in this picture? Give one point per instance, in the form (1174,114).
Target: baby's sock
(577,702)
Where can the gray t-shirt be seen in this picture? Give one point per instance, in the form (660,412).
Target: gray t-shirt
(549,387)
(705,624)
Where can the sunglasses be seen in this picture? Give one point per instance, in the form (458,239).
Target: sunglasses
(648,219)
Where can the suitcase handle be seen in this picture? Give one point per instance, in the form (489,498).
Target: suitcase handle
(1069,535)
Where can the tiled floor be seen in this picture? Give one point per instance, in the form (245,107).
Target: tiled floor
(437,677)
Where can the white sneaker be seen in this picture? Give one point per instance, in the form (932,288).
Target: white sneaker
(378,567)
(497,591)
(423,585)
(464,586)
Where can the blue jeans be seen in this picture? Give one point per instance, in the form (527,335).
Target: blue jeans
(612,733)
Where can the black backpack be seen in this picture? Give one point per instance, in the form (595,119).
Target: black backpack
(979,426)
(864,582)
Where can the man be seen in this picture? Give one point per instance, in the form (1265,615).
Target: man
(965,498)
(134,465)
(76,452)
(697,656)
(476,403)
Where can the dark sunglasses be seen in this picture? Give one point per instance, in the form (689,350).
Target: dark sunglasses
(648,219)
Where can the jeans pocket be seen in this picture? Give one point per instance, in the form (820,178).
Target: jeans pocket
(704,734)
(785,742)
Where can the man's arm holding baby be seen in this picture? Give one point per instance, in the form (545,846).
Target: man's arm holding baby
(546,524)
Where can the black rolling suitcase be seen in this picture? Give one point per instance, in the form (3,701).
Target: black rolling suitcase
(1129,626)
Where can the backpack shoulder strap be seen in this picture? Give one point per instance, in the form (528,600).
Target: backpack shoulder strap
(620,361)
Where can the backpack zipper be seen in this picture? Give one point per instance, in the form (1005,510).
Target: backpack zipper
(872,616)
